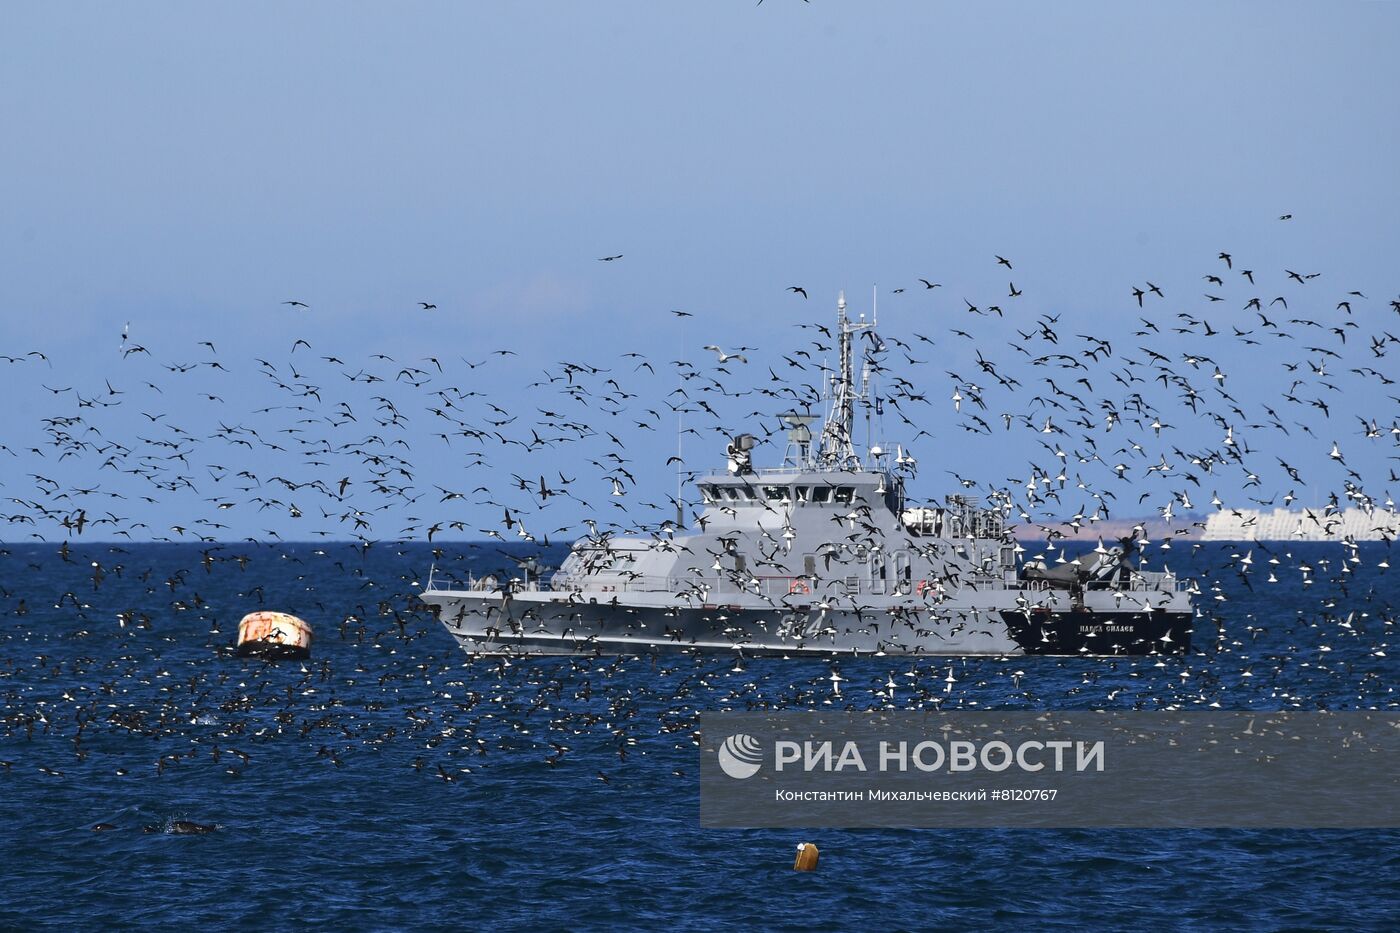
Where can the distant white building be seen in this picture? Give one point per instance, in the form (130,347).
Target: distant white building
(1305,525)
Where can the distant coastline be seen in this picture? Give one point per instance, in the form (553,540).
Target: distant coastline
(1321,524)
(1326,524)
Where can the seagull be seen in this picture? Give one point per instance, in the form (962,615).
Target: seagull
(297,304)
(726,357)
(928,284)
(427,306)
(798,290)
(610,258)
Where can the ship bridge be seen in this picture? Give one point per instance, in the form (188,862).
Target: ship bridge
(795,489)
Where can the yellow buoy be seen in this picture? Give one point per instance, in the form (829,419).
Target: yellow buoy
(274,635)
(806,857)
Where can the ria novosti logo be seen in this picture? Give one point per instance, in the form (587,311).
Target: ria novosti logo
(740,756)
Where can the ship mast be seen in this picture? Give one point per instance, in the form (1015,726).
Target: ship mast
(838,447)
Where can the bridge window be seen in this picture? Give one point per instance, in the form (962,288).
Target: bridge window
(821,493)
(844,494)
(775,493)
(804,493)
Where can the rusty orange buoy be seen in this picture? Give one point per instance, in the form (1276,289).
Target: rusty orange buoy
(274,635)
(806,857)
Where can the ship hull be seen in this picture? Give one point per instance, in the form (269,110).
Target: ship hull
(530,624)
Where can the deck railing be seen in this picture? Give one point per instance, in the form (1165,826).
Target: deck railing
(439,582)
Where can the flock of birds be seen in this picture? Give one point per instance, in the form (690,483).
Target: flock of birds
(1276,387)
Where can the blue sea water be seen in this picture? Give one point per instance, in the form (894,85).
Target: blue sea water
(573,800)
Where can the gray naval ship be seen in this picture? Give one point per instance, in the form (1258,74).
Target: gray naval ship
(823,556)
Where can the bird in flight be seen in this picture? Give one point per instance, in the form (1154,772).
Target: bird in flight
(297,304)
(726,357)
(682,314)
(427,306)
(610,258)
(797,290)
(928,284)
(1003,261)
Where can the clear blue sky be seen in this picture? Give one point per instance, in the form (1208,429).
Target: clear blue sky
(187,168)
